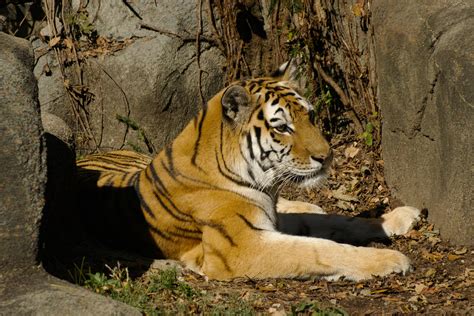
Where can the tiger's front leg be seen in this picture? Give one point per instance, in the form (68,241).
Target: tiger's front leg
(258,253)
(285,206)
(347,229)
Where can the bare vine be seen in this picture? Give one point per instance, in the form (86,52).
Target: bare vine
(78,95)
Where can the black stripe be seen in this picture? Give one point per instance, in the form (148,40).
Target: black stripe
(176,234)
(275,102)
(185,233)
(249,171)
(222,156)
(278,110)
(134,180)
(177,174)
(115,162)
(267,96)
(312,116)
(249,146)
(220,228)
(217,253)
(144,205)
(187,230)
(156,179)
(139,157)
(163,206)
(110,179)
(249,224)
(252,114)
(169,156)
(122,179)
(169,172)
(287,94)
(198,139)
(102,167)
(158,194)
(158,232)
(258,134)
(278,88)
(236,181)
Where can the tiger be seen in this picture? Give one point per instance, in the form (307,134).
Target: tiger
(210,198)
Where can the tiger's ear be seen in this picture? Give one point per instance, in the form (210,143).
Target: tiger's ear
(235,102)
(292,72)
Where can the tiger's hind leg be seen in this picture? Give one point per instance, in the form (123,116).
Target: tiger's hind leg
(352,230)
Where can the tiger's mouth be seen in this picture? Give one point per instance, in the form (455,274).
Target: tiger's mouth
(306,177)
(315,175)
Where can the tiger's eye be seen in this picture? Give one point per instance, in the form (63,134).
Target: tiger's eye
(282,129)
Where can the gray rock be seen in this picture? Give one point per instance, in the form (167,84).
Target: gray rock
(22,157)
(165,264)
(153,82)
(25,288)
(45,295)
(54,125)
(425,65)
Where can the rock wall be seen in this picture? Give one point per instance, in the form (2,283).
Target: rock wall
(153,80)
(25,288)
(425,67)
(22,157)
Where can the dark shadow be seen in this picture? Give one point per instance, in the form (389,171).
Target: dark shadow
(248,24)
(113,216)
(74,231)
(343,229)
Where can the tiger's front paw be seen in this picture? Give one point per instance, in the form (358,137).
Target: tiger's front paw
(370,262)
(400,220)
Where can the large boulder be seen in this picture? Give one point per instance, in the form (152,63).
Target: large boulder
(152,83)
(425,66)
(22,157)
(25,288)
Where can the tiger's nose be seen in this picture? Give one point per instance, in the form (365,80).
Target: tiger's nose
(322,157)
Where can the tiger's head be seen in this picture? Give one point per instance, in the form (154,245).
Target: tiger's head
(279,139)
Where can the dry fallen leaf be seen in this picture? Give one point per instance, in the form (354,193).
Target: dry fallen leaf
(69,43)
(343,205)
(430,272)
(461,251)
(432,256)
(351,151)
(452,257)
(419,288)
(267,288)
(341,194)
(54,41)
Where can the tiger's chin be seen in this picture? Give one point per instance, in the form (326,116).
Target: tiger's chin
(313,180)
